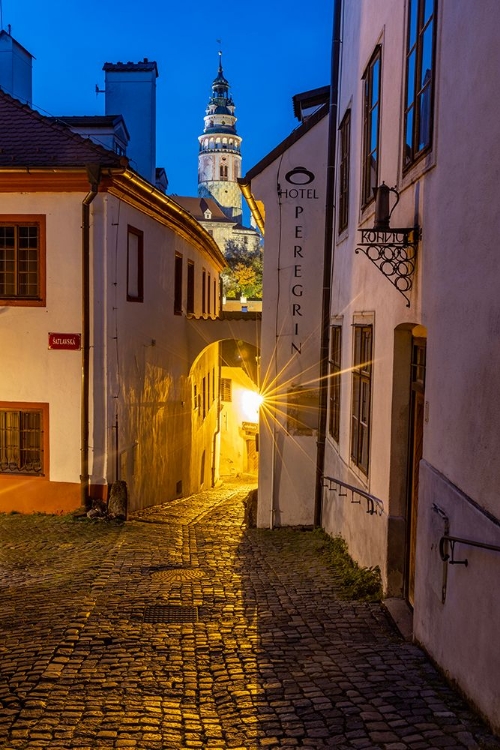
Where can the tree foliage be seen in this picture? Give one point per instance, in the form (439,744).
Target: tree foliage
(243,273)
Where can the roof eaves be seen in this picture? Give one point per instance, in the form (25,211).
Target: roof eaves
(280,149)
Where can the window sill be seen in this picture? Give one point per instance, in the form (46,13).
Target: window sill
(419,168)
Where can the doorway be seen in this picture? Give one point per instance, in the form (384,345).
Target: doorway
(415,453)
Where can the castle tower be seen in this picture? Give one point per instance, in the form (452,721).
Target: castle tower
(219,160)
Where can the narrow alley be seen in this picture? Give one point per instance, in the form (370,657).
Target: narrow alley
(183,628)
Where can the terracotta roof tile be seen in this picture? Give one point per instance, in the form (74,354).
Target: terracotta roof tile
(197,207)
(28,139)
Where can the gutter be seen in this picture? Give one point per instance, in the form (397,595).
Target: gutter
(93,175)
(329,258)
(246,188)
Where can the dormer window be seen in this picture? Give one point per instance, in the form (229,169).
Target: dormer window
(207,214)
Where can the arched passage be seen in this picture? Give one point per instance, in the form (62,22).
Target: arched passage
(224,380)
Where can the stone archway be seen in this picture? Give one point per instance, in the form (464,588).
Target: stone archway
(224,381)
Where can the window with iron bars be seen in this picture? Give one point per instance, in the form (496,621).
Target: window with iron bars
(225,389)
(21,441)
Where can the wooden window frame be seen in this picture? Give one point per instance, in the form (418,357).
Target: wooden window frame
(344,170)
(43,409)
(417,91)
(139,297)
(178,273)
(190,287)
(30,220)
(335,371)
(361,395)
(371,110)
(203,292)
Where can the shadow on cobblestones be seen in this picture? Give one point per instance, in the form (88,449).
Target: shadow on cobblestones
(184,629)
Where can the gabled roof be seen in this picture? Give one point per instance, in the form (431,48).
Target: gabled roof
(197,207)
(294,136)
(29,139)
(309,100)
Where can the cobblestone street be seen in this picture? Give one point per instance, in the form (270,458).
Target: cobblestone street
(181,628)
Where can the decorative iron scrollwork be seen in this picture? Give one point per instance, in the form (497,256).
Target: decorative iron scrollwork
(394,252)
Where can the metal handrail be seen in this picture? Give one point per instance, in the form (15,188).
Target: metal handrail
(374,506)
(452,540)
(447,545)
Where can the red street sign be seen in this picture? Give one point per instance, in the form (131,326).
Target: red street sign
(71,341)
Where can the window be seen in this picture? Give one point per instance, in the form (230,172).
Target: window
(302,411)
(345,159)
(209,286)
(22,260)
(215,297)
(178,285)
(204,398)
(22,439)
(225,389)
(223,172)
(135,242)
(335,369)
(420,53)
(190,287)
(203,292)
(361,396)
(371,123)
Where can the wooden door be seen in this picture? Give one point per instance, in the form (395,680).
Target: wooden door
(415,455)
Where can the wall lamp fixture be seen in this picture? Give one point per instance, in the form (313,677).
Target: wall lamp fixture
(393,251)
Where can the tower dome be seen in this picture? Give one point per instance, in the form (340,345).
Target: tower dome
(219,160)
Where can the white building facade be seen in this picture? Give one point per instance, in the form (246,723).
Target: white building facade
(100,273)
(290,183)
(408,439)
(413,416)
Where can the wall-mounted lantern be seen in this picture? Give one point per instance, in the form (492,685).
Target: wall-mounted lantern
(393,251)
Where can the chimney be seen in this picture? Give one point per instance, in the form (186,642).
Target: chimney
(15,68)
(131,91)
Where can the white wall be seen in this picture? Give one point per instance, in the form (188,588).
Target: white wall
(30,371)
(451,193)
(293,262)
(146,362)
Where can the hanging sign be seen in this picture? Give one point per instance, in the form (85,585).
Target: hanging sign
(68,341)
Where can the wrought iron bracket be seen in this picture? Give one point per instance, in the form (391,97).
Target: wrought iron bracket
(394,252)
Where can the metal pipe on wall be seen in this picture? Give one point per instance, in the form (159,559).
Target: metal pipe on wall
(93,174)
(328,259)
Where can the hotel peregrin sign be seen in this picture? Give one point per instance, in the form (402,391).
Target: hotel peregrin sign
(299,194)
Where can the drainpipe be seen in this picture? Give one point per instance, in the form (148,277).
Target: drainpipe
(93,175)
(328,259)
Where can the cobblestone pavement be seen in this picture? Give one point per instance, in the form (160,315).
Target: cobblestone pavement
(183,629)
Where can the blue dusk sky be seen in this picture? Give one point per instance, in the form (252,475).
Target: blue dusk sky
(271,51)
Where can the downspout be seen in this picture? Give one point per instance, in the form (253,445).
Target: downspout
(93,175)
(328,263)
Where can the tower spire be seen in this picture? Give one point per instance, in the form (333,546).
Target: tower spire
(219,160)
